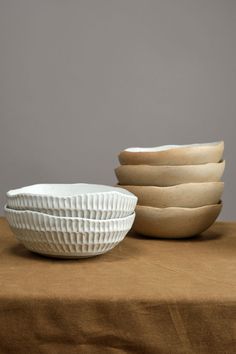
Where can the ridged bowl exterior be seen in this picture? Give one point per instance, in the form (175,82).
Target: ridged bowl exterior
(103,206)
(67,237)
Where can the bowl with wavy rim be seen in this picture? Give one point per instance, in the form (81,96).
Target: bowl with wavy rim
(67,237)
(175,222)
(74,200)
(192,154)
(146,175)
(187,195)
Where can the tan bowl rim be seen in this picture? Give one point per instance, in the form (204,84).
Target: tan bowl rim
(220,204)
(174,186)
(172,166)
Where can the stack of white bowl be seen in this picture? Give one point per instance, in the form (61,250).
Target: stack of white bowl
(70,220)
(178,187)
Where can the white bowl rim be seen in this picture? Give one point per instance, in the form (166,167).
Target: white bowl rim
(104,189)
(49,216)
(169,147)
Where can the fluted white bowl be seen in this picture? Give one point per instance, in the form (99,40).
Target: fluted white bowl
(90,201)
(67,236)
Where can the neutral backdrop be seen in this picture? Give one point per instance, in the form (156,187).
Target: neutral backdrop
(81,80)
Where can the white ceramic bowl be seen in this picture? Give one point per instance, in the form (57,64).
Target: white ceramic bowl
(89,201)
(163,176)
(192,154)
(67,237)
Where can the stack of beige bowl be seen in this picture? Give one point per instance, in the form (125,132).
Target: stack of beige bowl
(70,220)
(178,187)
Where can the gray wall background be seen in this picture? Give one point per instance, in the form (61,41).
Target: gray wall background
(81,80)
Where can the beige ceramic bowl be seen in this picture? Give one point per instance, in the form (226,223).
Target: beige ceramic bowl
(173,154)
(175,222)
(187,195)
(144,175)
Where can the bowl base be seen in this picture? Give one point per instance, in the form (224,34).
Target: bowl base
(48,255)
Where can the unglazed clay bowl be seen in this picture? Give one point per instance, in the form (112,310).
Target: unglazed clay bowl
(67,237)
(193,154)
(187,195)
(90,201)
(175,222)
(145,175)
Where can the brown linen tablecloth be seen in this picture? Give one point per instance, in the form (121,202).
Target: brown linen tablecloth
(145,296)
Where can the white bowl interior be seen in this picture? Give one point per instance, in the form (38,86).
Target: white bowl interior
(66,190)
(167,147)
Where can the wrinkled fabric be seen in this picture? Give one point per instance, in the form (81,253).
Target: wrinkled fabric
(145,296)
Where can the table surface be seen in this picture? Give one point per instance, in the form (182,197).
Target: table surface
(146,295)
